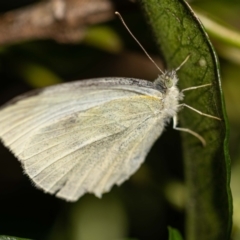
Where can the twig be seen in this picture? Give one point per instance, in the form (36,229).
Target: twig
(61,20)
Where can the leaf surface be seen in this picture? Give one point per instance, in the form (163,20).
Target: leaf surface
(179,33)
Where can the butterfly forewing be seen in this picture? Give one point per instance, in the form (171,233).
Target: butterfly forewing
(83,136)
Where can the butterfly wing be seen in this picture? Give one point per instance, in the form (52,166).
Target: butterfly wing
(83,136)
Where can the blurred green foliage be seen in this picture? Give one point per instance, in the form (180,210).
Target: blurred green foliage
(174,234)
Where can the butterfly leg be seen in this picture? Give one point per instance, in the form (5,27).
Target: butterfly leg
(197,111)
(188,130)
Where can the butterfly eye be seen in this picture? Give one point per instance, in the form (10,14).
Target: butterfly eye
(168,82)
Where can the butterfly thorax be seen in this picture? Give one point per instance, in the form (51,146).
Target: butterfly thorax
(166,83)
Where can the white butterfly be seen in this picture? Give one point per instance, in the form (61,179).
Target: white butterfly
(86,136)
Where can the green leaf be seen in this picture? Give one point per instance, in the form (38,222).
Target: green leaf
(174,234)
(207,169)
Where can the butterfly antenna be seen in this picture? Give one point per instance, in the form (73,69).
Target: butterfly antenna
(140,45)
(185,60)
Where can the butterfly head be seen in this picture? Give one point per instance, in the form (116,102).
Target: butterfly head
(166,80)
